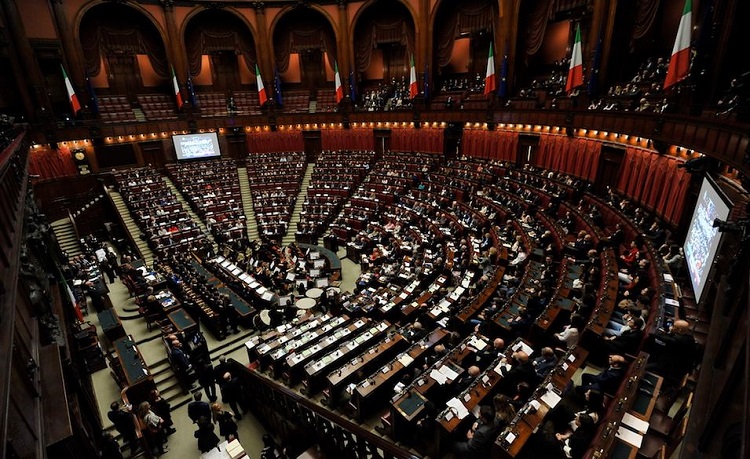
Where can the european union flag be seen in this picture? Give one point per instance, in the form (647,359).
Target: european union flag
(277,87)
(352,87)
(503,89)
(191,92)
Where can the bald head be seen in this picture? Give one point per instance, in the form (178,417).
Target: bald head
(521,356)
(498,343)
(681,326)
(474,371)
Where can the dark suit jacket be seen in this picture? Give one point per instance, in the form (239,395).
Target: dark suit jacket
(122,421)
(521,372)
(543,366)
(482,440)
(606,381)
(627,342)
(198,409)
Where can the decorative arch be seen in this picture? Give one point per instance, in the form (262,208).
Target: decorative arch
(222,30)
(313,33)
(384,23)
(451,20)
(138,32)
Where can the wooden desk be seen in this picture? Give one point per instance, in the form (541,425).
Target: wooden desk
(373,389)
(410,405)
(475,394)
(315,370)
(131,360)
(605,442)
(295,363)
(532,415)
(111,325)
(167,301)
(338,379)
(181,321)
(644,399)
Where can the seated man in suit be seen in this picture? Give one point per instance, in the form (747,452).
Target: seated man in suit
(480,437)
(489,354)
(628,340)
(465,381)
(607,381)
(522,370)
(545,363)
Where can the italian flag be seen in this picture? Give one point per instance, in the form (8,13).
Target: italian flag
(337,80)
(679,64)
(176,88)
(262,96)
(72,97)
(489,79)
(413,80)
(575,72)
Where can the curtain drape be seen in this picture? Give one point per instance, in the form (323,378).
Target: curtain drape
(210,38)
(351,139)
(654,181)
(422,140)
(467,18)
(48,163)
(382,30)
(537,25)
(578,157)
(302,37)
(645,13)
(493,145)
(272,142)
(128,39)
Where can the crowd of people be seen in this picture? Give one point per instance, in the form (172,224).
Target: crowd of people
(450,225)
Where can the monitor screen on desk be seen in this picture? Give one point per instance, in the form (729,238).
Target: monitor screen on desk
(703,238)
(196,146)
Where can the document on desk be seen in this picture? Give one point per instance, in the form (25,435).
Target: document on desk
(458,408)
(448,372)
(477,343)
(501,368)
(521,346)
(437,376)
(405,360)
(629,437)
(639,425)
(550,398)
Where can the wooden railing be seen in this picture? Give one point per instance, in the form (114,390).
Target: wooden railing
(14,163)
(723,139)
(280,406)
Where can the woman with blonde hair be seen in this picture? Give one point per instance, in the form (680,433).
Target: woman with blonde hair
(154,427)
(227,425)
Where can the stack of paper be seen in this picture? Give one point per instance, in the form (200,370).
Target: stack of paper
(437,376)
(639,425)
(550,398)
(630,437)
(448,372)
(458,408)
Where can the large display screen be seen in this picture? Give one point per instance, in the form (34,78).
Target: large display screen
(702,238)
(196,146)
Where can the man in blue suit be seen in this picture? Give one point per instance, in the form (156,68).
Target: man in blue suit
(608,380)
